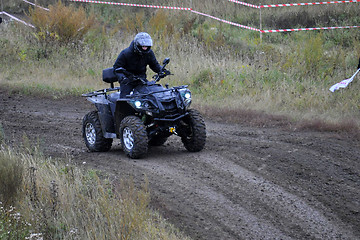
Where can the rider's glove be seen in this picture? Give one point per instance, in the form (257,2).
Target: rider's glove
(164,73)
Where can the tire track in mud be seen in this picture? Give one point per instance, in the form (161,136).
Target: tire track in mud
(251,206)
(248,183)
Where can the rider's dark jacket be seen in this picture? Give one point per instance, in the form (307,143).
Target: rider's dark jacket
(136,63)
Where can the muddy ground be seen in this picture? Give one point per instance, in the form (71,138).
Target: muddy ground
(248,182)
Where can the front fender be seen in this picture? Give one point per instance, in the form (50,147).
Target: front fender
(122,110)
(106,120)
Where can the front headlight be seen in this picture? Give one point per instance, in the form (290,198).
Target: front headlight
(137,104)
(141,104)
(186,95)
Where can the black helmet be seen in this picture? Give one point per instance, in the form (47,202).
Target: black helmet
(142,39)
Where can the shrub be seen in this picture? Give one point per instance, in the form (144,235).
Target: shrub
(61,24)
(313,53)
(205,76)
(134,23)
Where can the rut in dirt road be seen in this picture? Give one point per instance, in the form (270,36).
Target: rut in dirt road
(248,183)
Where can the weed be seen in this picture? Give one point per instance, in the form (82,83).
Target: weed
(12,224)
(313,53)
(66,202)
(11,173)
(204,77)
(134,23)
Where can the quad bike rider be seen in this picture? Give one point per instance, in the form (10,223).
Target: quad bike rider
(135,59)
(145,117)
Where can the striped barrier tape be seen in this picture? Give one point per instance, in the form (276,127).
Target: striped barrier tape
(207,15)
(46,9)
(306,29)
(225,21)
(133,5)
(172,8)
(16,19)
(307,4)
(244,3)
(292,4)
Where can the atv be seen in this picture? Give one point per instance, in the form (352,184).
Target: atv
(148,116)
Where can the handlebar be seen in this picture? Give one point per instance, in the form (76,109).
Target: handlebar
(163,72)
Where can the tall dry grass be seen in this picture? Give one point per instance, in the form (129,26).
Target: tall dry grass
(285,74)
(58,201)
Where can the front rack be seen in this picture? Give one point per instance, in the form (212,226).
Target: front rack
(165,90)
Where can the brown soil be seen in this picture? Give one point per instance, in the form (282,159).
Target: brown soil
(248,182)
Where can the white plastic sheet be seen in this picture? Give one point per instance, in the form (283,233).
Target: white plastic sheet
(343,83)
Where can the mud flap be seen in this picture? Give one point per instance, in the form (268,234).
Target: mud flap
(106,119)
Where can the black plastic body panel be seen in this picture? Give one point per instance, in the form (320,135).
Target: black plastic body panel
(106,118)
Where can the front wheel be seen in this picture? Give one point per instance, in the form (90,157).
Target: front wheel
(133,137)
(93,135)
(195,138)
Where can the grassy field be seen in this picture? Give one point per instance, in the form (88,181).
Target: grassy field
(282,73)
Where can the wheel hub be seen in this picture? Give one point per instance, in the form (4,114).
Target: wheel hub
(90,133)
(128,138)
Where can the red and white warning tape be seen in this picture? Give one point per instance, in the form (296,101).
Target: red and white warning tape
(292,4)
(225,21)
(46,9)
(245,4)
(305,29)
(306,4)
(133,5)
(16,19)
(216,18)
(165,7)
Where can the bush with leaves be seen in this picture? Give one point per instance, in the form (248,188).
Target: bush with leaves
(63,24)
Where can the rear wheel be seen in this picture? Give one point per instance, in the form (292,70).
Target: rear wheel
(133,137)
(93,135)
(195,138)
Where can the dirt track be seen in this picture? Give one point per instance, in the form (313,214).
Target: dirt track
(248,183)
